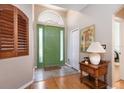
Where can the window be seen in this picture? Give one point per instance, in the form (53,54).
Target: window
(13,32)
(41,45)
(61,45)
(51,18)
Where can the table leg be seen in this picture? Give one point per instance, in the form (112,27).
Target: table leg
(96,82)
(81,76)
(105,78)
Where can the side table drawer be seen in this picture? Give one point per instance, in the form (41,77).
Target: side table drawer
(102,71)
(88,70)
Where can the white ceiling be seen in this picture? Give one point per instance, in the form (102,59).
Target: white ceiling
(53,7)
(77,7)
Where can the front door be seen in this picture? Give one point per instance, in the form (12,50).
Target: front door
(52,46)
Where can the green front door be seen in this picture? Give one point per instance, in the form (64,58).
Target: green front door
(52,46)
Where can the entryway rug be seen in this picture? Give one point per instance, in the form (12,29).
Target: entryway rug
(52,68)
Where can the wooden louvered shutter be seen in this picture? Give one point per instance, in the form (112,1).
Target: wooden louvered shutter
(13,32)
(7,31)
(23,47)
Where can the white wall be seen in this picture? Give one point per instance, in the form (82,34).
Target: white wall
(75,20)
(101,16)
(16,72)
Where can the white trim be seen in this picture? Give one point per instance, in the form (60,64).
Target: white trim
(34,72)
(30,82)
(26,85)
(76,69)
(72,67)
(68,64)
(48,24)
(75,29)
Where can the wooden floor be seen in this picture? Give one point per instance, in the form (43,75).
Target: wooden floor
(119,84)
(65,82)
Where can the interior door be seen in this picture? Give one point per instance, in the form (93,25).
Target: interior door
(75,49)
(52,46)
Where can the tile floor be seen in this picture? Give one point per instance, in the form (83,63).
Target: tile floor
(42,74)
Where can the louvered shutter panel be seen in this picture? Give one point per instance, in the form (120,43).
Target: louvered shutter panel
(13,32)
(22,34)
(6,31)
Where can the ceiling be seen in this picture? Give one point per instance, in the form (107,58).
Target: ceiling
(53,7)
(76,7)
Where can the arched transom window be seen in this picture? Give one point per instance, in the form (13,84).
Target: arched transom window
(50,17)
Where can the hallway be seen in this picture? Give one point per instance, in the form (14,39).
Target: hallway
(64,77)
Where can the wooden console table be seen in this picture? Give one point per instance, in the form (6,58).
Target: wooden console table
(94,72)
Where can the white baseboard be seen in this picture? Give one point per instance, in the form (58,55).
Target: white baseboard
(30,82)
(68,64)
(72,67)
(26,85)
(34,73)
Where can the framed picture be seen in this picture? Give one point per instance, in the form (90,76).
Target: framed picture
(87,36)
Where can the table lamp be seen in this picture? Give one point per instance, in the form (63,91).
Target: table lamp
(95,49)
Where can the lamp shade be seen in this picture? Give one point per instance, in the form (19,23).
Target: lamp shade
(96,47)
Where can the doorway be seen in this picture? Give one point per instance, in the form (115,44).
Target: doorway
(118,48)
(50,46)
(116,35)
